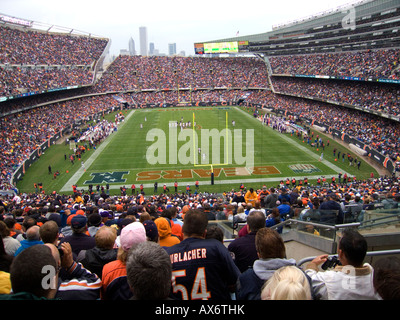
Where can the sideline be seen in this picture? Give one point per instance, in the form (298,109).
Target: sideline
(183,184)
(306,150)
(78,174)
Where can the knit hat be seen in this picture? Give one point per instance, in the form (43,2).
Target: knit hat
(151,229)
(132,234)
(163,226)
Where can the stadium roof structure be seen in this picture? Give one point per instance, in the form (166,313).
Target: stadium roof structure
(15,22)
(357,26)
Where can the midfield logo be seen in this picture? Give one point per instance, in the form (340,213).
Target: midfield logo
(107,177)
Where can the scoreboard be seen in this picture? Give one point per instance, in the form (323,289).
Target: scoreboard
(221,47)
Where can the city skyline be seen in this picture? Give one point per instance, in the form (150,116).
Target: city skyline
(152,49)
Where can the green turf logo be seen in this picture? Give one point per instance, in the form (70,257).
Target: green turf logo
(304,168)
(107,177)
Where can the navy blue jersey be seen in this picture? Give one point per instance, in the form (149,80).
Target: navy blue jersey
(202,269)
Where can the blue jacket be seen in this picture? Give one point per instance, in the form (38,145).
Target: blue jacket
(25,244)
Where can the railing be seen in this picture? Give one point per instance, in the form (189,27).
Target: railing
(389,217)
(368,254)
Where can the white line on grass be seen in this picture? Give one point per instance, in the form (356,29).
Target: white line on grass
(78,174)
(306,150)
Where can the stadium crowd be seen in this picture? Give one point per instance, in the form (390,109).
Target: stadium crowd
(41,48)
(96,235)
(376,64)
(22,133)
(377,97)
(32,61)
(18,81)
(162,73)
(380,133)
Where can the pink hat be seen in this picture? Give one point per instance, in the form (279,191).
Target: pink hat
(132,234)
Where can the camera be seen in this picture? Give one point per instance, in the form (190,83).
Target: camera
(331,262)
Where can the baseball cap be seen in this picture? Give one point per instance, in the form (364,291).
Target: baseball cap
(132,234)
(78,221)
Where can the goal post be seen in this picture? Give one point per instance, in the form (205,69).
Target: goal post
(226,147)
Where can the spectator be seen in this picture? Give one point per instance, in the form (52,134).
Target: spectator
(149,272)
(272,256)
(240,215)
(151,231)
(243,249)
(32,239)
(94,224)
(287,283)
(215,232)
(271,199)
(273,218)
(26,224)
(49,232)
(331,204)
(388,202)
(250,196)
(176,225)
(27,277)
(386,278)
(73,282)
(79,240)
(238,198)
(11,245)
(213,267)
(207,210)
(166,239)
(352,272)
(285,210)
(114,280)
(104,252)
(174,216)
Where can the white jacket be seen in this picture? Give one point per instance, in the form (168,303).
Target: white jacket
(343,283)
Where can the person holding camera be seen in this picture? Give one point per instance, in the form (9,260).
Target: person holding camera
(350,278)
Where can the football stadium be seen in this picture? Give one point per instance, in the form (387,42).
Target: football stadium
(298,128)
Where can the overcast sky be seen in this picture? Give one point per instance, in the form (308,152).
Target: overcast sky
(174,21)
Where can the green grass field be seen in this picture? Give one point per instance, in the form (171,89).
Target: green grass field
(159,152)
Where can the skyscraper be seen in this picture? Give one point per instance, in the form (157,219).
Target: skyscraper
(132,50)
(143,41)
(151,49)
(171,49)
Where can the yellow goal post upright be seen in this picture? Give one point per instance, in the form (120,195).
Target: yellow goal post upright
(211,165)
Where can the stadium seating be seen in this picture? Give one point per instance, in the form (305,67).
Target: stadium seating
(374,64)
(33,61)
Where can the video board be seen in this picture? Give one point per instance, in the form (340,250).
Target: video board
(221,47)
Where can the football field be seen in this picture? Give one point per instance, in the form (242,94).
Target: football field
(184,145)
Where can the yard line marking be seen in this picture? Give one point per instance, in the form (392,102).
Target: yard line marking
(78,174)
(306,150)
